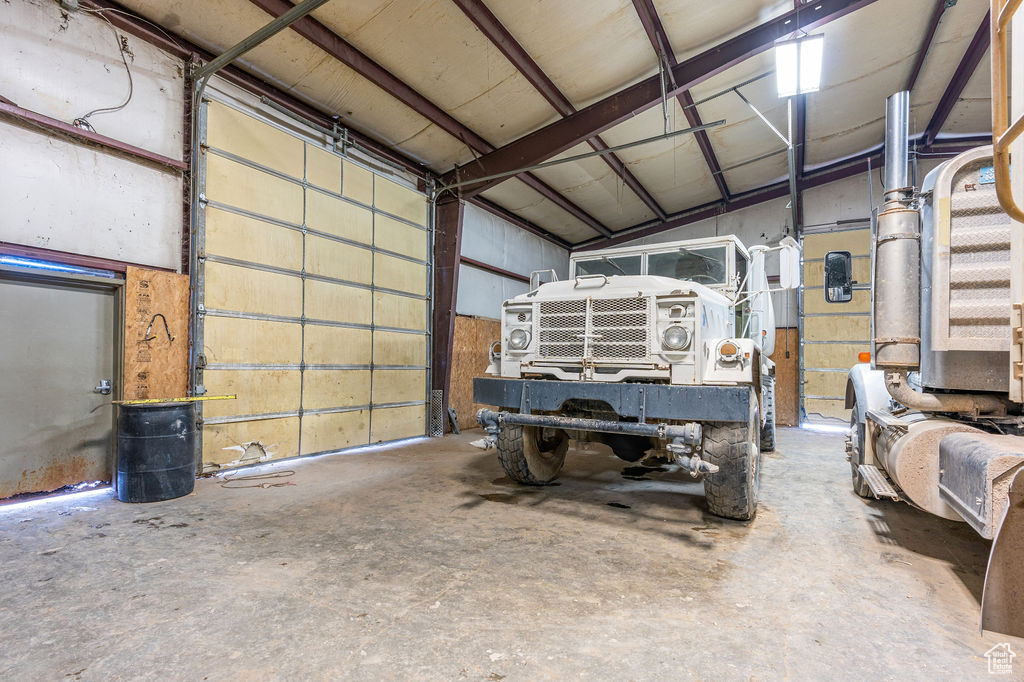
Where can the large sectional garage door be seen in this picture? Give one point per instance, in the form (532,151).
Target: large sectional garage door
(832,334)
(312,305)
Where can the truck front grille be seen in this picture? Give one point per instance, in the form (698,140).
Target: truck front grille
(603,329)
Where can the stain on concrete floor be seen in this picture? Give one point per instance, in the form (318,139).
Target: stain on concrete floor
(425,562)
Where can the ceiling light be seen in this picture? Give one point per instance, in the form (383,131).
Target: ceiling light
(798,65)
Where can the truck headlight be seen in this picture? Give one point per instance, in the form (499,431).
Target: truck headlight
(676,338)
(519,339)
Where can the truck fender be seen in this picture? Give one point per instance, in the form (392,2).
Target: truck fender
(867,387)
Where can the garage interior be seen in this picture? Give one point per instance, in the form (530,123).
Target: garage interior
(292,227)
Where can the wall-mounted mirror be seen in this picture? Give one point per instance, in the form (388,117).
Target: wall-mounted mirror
(838,277)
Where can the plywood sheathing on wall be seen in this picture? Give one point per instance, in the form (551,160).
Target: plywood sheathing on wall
(155,335)
(470,353)
(787,377)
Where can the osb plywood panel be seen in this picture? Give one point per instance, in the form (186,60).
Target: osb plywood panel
(341,261)
(399,385)
(337,302)
(391,310)
(338,217)
(237,236)
(249,138)
(396,348)
(155,356)
(472,341)
(247,290)
(337,345)
(323,169)
(857,242)
(357,183)
(394,235)
(787,377)
(816,409)
(834,355)
(239,443)
(844,328)
(399,201)
(830,384)
(324,388)
(259,391)
(814,302)
(230,339)
(401,275)
(334,431)
(814,272)
(240,186)
(392,423)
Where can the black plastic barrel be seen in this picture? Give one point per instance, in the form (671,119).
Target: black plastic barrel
(155,451)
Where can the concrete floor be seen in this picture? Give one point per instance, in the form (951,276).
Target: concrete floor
(424,562)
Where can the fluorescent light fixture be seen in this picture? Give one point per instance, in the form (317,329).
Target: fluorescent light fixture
(798,65)
(35,264)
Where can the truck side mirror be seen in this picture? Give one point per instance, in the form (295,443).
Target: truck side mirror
(838,277)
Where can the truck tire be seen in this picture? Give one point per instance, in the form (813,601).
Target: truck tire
(530,454)
(735,450)
(860,486)
(626,447)
(768,430)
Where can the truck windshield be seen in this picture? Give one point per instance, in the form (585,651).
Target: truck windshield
(705,265)
(621,265)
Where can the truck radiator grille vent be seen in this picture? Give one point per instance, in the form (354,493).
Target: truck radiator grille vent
(617,331)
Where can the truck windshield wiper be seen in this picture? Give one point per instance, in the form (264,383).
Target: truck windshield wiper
(615,265)
(687,252)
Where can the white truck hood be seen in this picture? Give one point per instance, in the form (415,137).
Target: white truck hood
(619,286)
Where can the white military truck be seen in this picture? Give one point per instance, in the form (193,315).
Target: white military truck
(660,347)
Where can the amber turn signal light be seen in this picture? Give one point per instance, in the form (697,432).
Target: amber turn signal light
(864,356)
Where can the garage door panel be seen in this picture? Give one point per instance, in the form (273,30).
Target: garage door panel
(398,386)
(830,384)
(237,185)
(242,442)
(832,355)
(357,183)
(243,238)
(399,201)
(398,274)
(327,388)
(838,328)
(397,348)
(857,242)
(394,235)
(242,289)
(336,216)
(337,345)
(254,140)
(392,423)
(259,391)
(814,272)
(338,260)
(335,431)
(402,312)
(323,169)
(337,302)
(834,410)
(815,303)
(236,340)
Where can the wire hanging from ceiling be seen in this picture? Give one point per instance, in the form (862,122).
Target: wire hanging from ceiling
(83,121)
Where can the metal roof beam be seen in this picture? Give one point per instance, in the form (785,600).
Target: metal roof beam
(926,42)
(334,45)
(555,138)
(968,65)
(495,31)
(659,41)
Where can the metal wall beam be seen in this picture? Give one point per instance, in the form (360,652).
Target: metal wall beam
(800,152)
(347,54)
(926,42)
(500,37)
(447,249)
(493,269)
(663,48)
(555,138)
(968,65)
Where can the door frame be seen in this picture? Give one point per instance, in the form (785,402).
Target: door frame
(54,272)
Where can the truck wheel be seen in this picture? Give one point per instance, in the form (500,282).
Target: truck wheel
(856,446)
(530,454)
(735,449)
(768,430)
(626,447)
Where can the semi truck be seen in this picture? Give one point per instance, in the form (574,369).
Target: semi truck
(660,348)
(937,415)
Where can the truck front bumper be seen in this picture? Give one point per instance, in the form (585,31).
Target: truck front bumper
(647,403)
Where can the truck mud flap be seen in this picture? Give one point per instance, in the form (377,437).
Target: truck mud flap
(1002,602)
